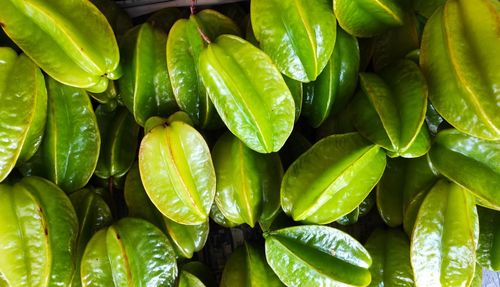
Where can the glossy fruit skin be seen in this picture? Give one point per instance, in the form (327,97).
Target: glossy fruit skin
(70,40)
(93,214)
(185,190)
(24,109)
(131,252)
(145,86)
(298,35)
(248,92)
(338,172)
(368,18)
(336,83)
(390,109)
(445,236)
(185,239)
(119,139)
(248,182)
(184,46)
(247,266)
(39,228)
(311,255)
(488,249)
(457,58)
(390,253)
(70,147)
(469,162)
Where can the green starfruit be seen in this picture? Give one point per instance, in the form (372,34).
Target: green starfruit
(70,40)
(335,84)
(131,252)
(70,147)
(367,18)
(470,162)
(24,107)
(298,35)
(390,109)
(444,239)
(185,189)
(390,252)
(248,92)
(184,46)
(332,178)
(248,182)
(38,230)
(119,137)
(312,255)
(145,86)
(93,214)
(459,61)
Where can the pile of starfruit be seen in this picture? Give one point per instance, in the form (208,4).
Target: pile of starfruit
(358,141)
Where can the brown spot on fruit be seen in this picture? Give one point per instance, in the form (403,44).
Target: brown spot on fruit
(118,236)
(46,231)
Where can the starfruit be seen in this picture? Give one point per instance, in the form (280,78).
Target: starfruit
(390,252)
(312,255)
(470,162)
(444,239)
(145,86)
(119,136)
(332,178)
(93,214)
(38,230)
(248,92)
(390,109)
(335,84)
(24,106)
(248,182)
(299,35)
(131,252)
(69,39)
(247,266)
(184,189)
(70,147)
(488,249)
(367,18)
(184,46)
(459,61)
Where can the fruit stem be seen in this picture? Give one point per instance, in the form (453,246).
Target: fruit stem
(192,7)
(203,36)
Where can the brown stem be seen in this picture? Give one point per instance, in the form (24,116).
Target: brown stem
(204,36)
(192,7)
